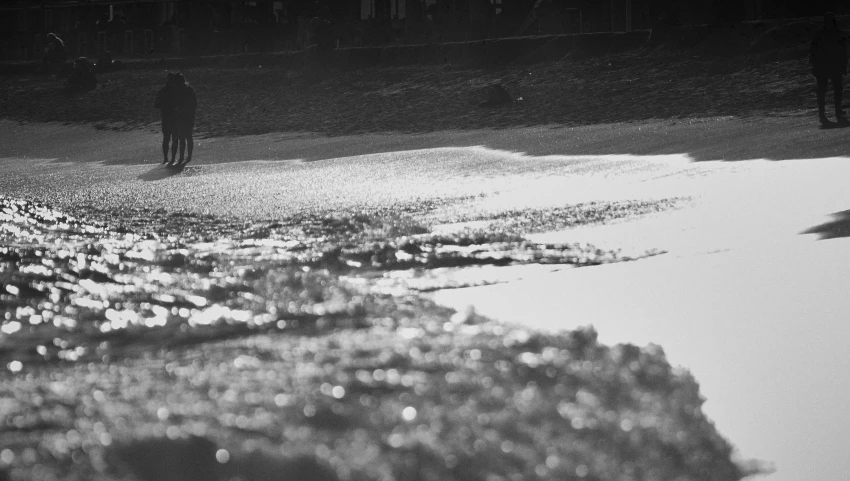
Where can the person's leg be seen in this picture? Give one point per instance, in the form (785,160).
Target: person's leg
(165,137)
(190,143)
(173,146)
(821,95)
(182,148)
(838,91)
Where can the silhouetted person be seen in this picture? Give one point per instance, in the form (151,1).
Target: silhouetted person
(187,104)
(166,102)
(55,50)
(828,56)
(81,77)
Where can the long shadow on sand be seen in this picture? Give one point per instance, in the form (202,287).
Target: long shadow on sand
(837,228)
(710,139)
(161,172)
(716,139)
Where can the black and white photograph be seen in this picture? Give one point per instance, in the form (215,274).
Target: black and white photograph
(424,240)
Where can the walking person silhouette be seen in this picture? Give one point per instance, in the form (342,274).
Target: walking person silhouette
(166,102)
(828,57)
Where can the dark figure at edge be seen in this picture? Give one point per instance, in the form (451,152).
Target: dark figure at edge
(166,102)
(187,104)
(55,54)
(828,56)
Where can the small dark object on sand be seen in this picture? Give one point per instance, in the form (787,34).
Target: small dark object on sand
(496,95)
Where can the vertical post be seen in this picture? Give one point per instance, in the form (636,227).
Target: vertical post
(628,15)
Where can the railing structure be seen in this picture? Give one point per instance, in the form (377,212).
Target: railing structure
(189,38)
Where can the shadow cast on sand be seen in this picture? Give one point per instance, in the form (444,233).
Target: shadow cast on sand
(837,228)
(796,136)
(828,125)
(163,171)
(716,139)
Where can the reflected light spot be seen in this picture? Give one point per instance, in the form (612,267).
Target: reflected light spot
(409,413)
(395,440)
(222,456)
(7,456)
(11,327)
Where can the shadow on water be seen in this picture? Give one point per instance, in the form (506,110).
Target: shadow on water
(838,227)
(199,459)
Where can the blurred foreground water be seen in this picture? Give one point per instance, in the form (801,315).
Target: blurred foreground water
(165,345)
(72,289)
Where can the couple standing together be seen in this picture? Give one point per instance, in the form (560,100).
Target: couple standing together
(177,103)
